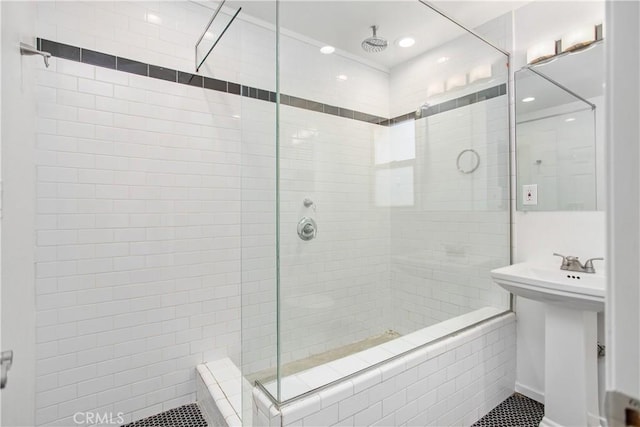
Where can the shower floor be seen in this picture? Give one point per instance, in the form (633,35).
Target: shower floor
(325,357)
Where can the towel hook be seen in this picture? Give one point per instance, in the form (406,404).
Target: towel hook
(475,161)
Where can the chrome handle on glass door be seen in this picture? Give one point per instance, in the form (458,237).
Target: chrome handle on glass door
(307,228)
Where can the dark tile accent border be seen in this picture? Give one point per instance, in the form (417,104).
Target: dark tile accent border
(60,50)
(215,84)
(452,104)
(162,73)
(131,66)
(330,109)
(97,58)
(315,106)
(100,59)
(263,95)
(233,88)
(190,79)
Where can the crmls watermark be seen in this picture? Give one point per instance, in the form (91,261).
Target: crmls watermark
(98,418)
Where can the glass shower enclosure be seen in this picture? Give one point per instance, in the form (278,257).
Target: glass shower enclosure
(375,187)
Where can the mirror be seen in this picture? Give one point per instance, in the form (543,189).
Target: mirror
(560,133)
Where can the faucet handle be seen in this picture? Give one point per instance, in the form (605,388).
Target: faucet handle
(565,260)
(588,266)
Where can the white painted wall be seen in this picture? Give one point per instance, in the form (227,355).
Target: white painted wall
(537,235)
(18,206)
(0,209)
(623,183)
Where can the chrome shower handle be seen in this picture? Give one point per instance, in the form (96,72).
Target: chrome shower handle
(307,228)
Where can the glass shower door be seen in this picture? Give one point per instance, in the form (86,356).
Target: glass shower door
(387,188)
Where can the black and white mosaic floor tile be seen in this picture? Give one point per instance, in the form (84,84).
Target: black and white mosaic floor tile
(184,416)
(516,411)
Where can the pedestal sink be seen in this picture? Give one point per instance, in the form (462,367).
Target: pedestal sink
(572,302)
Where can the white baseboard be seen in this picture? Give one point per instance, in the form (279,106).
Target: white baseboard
(592,421)
(595,420)
(546,422)
(531,393)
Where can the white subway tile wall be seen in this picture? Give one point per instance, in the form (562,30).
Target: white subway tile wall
(444,246)
(331,286)
(258,229)
(452,382)
(138,242)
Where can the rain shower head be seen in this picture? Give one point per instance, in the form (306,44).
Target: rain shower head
(374,43)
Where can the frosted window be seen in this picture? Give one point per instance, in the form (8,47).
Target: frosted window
(395,143)
(394,187)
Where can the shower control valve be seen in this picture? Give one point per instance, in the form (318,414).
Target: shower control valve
(307,228)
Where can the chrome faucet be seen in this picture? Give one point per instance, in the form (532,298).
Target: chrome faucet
(571,263)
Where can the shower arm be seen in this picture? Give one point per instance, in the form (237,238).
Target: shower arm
(26,49)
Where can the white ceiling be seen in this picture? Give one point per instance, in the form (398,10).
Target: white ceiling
(345,24)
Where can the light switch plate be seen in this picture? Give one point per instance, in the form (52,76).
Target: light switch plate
(530,194)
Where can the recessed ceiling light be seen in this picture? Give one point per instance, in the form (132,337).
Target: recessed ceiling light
(528,99)
(236,116)
(327,49)
(406,42)
(570,119)
(442,59)
(342,77)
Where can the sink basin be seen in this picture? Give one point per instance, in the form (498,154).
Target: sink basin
(580,291)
